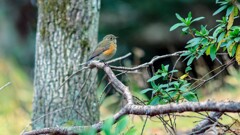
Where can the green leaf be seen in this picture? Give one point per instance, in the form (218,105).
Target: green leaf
(198,19)
(188,69)
(153,84)
(229,43)
(131,131)
(220,9)
(217,31)
(221,36)
(190,15)
(180,18)
(164,85)
(173,71)
(237,39)
(90,131)
(164,74)
(169,89)
(229,10)
(166,68)
(107,126)
(146,90)
(190,60)
(193,42)
(173,94)
(155,100)
(213,51)
(204,31)
(234,50)
(185,29)
(184,87)
(121,125)
(224,44)
(175,26)
(178,97)
(163,101)
(155,77)
(190,96)
(185,53)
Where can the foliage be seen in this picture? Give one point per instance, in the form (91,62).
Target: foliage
(165,88)
(225,36)
(168,91)
(119,129)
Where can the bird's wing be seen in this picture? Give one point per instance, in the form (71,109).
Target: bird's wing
(99,50)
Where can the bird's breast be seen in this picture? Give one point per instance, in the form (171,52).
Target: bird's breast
(111,51)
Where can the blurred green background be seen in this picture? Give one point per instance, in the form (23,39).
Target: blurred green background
(142,28)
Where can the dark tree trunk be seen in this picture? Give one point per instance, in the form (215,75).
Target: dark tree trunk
(67,32)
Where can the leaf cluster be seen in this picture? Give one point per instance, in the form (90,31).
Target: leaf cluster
(168,91)
(225,37)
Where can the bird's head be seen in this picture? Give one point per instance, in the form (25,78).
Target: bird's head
(111,38)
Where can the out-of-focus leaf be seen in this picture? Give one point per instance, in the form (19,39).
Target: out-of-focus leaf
(179,17)
(175,26)
(198,19)
(188,69)
(230,10)
(190,60)
(107,126)
(131,131)
(155,77)
(230,20)
(146,90)
(208,51)
(155,100)
(184,76)
(121,125)
(213,51)
(190,96)
(237,56)
(220,9)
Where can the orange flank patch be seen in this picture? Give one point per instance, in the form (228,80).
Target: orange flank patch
(111,50)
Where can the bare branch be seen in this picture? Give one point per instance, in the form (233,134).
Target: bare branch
(119,58)
(224,66)
(148,63)
(204,124)
(5,85)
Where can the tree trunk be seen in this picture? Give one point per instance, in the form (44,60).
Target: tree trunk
(66,33)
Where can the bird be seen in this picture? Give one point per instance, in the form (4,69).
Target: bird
(105,50)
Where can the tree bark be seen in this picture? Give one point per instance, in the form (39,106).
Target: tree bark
(66,33)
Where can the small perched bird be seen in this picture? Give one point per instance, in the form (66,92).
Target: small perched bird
(106,49)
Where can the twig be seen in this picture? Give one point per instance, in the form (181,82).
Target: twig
(147,64)
(205,81)
(170,80)
(144,125)
(119,58)
(5,85)
(75,73)
(33,121)
(204,124)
